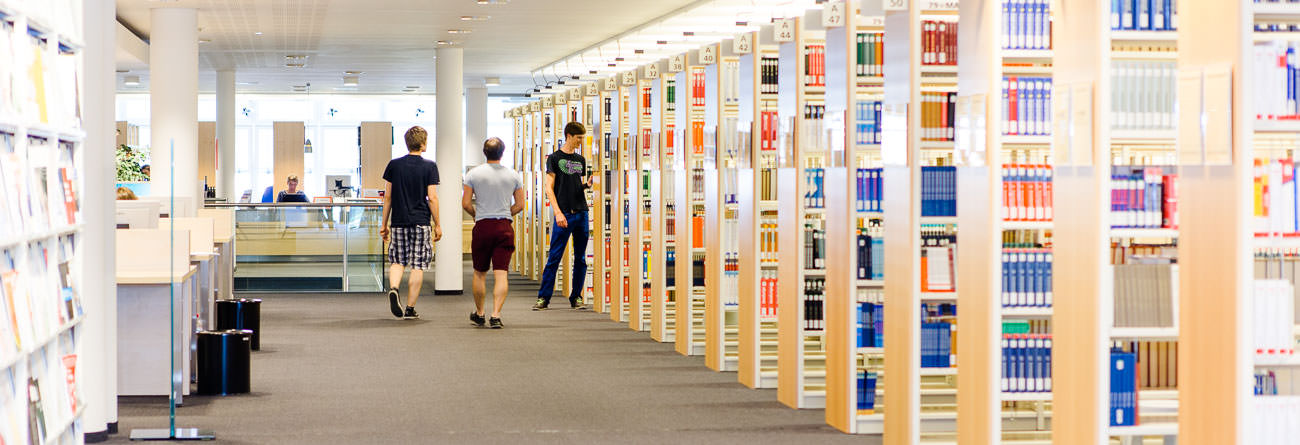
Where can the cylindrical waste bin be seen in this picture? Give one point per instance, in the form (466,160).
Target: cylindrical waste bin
(241,313)
(224,361)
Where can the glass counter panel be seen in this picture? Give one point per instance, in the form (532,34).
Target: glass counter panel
(308,248)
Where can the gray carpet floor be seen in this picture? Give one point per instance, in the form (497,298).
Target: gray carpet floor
(340,369)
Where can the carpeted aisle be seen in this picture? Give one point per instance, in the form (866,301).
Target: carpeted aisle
(340,369)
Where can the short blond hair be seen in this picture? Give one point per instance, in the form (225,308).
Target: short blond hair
(416,138)
(291,178)
(125,194)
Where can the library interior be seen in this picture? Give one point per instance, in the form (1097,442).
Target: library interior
(815,164)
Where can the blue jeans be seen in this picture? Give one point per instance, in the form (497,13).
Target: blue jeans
(578,227)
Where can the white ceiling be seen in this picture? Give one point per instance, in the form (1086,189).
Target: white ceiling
(391,41)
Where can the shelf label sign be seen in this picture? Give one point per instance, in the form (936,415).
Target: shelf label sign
(895,5)
(709,54)
(610,84)
(743,44)
(784,31)
(833,15)
(677,63)
(548,101)
(535,106)
(575,94)
(937,5)
(561,97)
(629,78)
(874,21)
(591,89)
(651,71)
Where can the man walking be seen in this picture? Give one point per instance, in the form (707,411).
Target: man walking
(566,181)
(410,191)
(493,194)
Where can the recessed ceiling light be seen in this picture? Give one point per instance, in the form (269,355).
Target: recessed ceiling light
(351,81)
(246,83)
(492,2)
(458,31)
(205,40)
(474,18)
(491,81)
(122,71)
(131,81)
(412,87)
(294,65)
(257,33)
(443,42)
(353,73)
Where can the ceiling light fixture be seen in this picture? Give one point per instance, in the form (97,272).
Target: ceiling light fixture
(131,81)
(351,81)
(492,2)
(458,31)
(257,33)
(443,42)
(205,41)
(474,18)
(492,81)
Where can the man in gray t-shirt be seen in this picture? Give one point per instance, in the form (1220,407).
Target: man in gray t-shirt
(493,194)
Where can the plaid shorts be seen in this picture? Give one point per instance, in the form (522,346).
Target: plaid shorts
(410,247)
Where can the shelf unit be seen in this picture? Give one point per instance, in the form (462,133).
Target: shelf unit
(628,208)
(735,98)
(41,140)
(801,254)
(698,127)
(663,326)
(648,239)
(606,190)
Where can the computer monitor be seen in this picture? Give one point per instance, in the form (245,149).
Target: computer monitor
(338,185)
(137,214)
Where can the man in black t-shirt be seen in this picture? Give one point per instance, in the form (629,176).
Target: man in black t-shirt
(410,202)
(566,182)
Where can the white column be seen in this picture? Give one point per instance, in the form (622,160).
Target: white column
(450,148)
(226,135)
(475,124)
(98,368)
(174,104)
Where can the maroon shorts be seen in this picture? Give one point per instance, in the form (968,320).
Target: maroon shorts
(493,241)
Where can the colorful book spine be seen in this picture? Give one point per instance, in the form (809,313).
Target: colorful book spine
(1123,389)
(870,54)
(1026,24)
(869,194)
(867,130)
(939,191)
(938,115)
(866,392)
(814,291)
(1026,278)
(1027,105)
(1140,199)
(1144,15)
(1027,192)
(1026,363)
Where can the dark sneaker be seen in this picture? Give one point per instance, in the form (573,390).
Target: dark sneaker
(576,303)
(541,305)
(410,314)
(496,323)
(394,304)
(477,319)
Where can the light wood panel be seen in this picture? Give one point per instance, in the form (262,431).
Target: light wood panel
(376,150)
(208,153)
(288,154)
(127,134)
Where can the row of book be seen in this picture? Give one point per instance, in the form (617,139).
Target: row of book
(699,92)
(767,294)
(670,95)
(867,130)
(937,340)
(767,242)
(938,258)
(1026,24)
(814,244)
(768,130)
(1273,319)
(36,402)
(814,65)
(866,392)
(938,191)
(670,267)
(1274,420)
(1144,15)
(871,54)
(938,115)
(1145,293)
(812,135)
(767,184)
(730,81)
(647,101)
(697,137)
(1275,197)
(814,181)
(1143,197)
(870,326)
(696,191)
(871,252)
(1027,192)
(1027,104)
(1279,263)
(37,177)
(730,279)
(870,190)
(814,303)
(938,42)
(38,81)
(1157,362)
(1026,277)
(1026,363)
(769,75)
(37,294)
(1144,94)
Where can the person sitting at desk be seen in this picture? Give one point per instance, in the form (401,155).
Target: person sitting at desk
(292,194)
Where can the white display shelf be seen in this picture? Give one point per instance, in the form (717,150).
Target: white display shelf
(938,220)
(55,434)
(1277,126)
(41,343)
(40,235)
(931,372)
(1278,361)
(1277,11)
(1144,55)
(870,283)
(939,70)
(1026,312)
(871,350)
(1143,233)
(1276,36)
(939,296)
(1026,139)
(936,145)
(1143,36)
(1151,429)
(1145,136)
(1026,225)
(1144,333)
(1026,396)
(1032,54)
(1277,242)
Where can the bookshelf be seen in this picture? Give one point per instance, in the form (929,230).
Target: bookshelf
(854,246)
(699,127)
(735,96)
(801,351)
(590,94)
(757,321)
(663,290)
(41,140)
(626,206)
(606,191)
(648,200)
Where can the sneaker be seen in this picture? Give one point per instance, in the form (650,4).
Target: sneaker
(477,319)
(410,314)
(496,323)
(541,305)
(394,304)
(576,303)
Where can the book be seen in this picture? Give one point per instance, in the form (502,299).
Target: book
(1123,389)
(1026,363)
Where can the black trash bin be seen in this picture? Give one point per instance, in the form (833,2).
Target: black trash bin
(241,313)
(224,361)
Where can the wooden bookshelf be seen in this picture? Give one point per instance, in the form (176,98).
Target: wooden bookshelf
(663,322)
(627,207)
(735,95)
(649,212)
(41,138)
(606,190)
(698,128)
